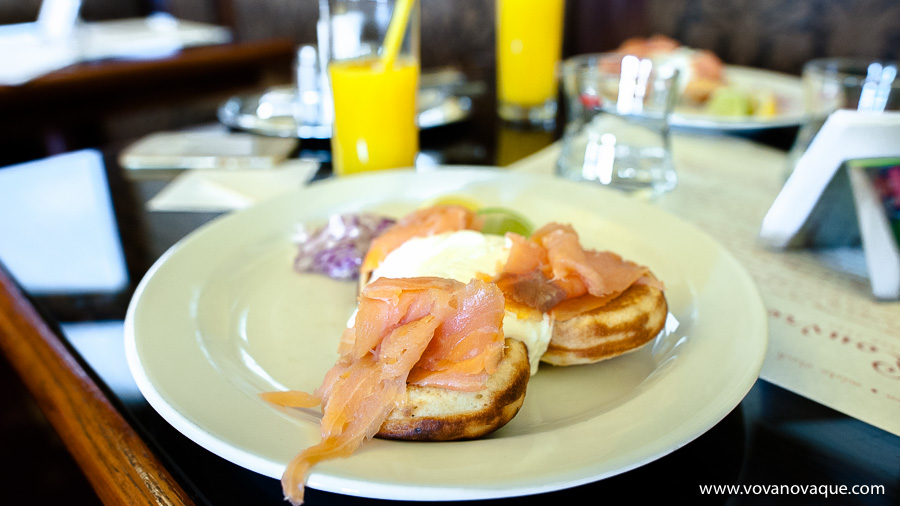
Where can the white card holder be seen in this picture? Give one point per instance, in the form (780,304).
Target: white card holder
(829,202)
(878,241)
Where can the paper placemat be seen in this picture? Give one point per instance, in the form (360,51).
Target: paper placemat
(213,190)
(830,340)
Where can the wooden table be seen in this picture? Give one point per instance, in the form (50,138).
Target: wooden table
(65,108)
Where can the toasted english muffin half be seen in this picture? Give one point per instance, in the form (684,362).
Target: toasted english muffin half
(626,323)
(438,414)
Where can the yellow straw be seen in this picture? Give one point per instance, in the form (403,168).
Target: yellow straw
(394,36)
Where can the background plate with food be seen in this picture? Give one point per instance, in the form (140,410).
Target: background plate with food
(717,96)
(224,316)
(747,84)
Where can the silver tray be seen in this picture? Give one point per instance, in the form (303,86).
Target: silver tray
(444,98)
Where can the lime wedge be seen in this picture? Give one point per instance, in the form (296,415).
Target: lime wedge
(727,101)
(453,200)
(500,220)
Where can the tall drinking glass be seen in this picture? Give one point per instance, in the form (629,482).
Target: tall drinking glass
(529,48)
(373,68)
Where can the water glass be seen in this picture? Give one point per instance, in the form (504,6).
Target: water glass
(617,135)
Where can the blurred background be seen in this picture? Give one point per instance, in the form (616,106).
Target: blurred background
(779,35)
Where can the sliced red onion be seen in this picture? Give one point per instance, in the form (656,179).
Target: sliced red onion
(337,248)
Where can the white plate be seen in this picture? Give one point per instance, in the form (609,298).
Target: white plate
(222,317)
(788,91)
(437,108)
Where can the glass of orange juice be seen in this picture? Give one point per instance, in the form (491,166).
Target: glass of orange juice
(529,48)
(373,69)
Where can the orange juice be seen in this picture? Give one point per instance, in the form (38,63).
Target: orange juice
(529,46)
(374,114)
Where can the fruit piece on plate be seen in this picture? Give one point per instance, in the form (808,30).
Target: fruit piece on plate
(765,104)
(729,101)
(500,220)
(453,200)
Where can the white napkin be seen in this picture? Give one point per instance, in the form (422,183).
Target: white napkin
(25,52)
(227,190)
(156,36)
(25,55)
(63,199)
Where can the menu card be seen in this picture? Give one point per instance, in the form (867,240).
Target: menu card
(830,340)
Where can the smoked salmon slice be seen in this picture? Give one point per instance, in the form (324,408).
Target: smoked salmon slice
(467,346)
(552,272)
(431,331)
(420,223)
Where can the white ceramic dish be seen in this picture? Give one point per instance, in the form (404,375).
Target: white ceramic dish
(222,316)
(788,91)
(271,113)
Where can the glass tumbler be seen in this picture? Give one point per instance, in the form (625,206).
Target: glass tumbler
(617,134)
(529,49)
(373,69)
